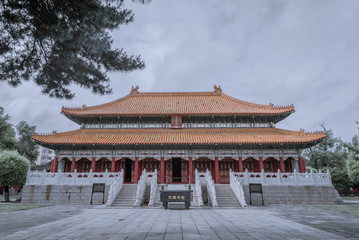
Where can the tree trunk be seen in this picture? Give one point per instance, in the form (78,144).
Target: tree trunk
(6,194)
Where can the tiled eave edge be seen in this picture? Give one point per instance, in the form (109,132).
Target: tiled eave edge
(277,116)
(68,114)
(249,145)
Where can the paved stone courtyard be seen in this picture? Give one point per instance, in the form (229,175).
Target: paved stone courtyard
(84,222)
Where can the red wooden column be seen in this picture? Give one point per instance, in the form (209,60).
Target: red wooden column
(55,164)
(136,169)
(73,164)
(162,170)
(93,164)
(261,166)
(190,169)
(216,170)
(52,166)
(301,165)
(113,164)
(282,168)
(240,162)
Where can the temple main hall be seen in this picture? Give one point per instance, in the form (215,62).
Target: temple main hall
(176,133)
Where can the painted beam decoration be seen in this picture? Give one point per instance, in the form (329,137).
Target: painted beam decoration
(181,153)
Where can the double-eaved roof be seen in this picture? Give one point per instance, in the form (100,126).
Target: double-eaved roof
(177,103)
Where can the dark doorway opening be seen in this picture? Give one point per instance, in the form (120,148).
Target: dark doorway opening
(128,170)
(176,170)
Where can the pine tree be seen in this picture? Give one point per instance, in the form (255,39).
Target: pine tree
(353,161)
(330,154)
(57,43)
(7,133)
(25,146)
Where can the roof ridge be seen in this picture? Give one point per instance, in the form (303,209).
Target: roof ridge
(271,105)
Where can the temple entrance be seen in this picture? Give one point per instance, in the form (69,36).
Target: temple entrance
(224,166)
(176,170)
(128,170)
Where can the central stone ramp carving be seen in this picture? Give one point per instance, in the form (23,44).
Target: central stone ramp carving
(126,197)
(225,196)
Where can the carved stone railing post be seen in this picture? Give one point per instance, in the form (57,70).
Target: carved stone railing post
(246,176)
(329,178)
(296,177)
(312,176)
(58,178)
(262,175)
(279,177)
(43,176)
(75,176)
(91,176)
(106,175)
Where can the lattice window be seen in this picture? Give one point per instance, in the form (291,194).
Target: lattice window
(248,164)
(288,165)
(267,164)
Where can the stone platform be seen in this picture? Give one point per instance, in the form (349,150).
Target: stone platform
(62,194)
(308,195)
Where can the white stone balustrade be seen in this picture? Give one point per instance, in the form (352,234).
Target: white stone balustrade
(198,187)
(211,189)
(141,187)
(154,187)
(75,178)
(115,188)
(237,188)
(278,178)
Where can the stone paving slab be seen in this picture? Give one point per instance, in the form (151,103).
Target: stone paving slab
(113,223)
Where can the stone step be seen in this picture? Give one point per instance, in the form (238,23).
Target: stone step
(225,196)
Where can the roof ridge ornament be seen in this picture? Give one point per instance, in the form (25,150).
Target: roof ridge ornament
(134,90)
(217,90)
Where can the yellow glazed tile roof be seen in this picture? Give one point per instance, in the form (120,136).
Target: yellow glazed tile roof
(178,103)
(179,136)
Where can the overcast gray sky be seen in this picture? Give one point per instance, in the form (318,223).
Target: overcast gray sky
(304,53)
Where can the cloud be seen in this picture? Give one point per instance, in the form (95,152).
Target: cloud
(285,52)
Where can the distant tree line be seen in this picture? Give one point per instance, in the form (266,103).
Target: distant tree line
(16,154)
(340,158)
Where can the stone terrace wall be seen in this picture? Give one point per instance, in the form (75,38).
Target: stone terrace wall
(281,194)
(62,194)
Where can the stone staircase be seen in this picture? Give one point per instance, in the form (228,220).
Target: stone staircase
(126,197)
(225,196)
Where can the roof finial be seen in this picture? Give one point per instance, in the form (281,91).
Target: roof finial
(218,89)
(134,90)
(301,130)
